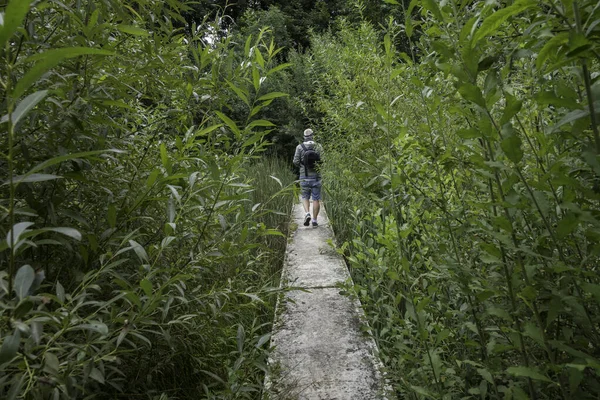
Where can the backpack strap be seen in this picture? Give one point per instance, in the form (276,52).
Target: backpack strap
(305,149)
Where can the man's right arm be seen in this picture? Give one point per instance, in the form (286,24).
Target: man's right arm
(297,157)
(319,149)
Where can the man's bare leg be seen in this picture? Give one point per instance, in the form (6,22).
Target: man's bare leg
(316,207)
(306,204)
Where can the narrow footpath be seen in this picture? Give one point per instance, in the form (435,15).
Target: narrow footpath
(320,352)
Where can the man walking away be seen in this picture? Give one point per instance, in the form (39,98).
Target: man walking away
(307,157)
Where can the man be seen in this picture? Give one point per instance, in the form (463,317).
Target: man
(307,157)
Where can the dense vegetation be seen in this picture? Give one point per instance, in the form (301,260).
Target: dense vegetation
(140,225)
(142,222)
(468,208)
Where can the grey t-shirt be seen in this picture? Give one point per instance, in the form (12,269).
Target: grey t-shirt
(299,157)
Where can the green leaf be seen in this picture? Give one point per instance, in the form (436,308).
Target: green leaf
(256,109)
(432,6)
(32,178)
(152,177)
(528,373)
(163,155)
(549,98)
(15,13)
(387,44)
(467,28)
(255,78)
(491,24)
(274,232)
(97,375)
(171,213)
(23,281)
(513,106)
(67,157)
(422,304)
(259,122)
(71,232)
(37,330)
(574,352)
(139,251)
(146,286)
(511,146)
(242,93)
(551,48)
(51,364)
(573,116)
(133,30)
(554,309)
(49,60)
(381,110)
(247,46)
(272,95)
(241,335)
(112,216)
(486,375)
(259,57)
(408,26)
(279,68)
(253,139)
(25,106)
(499,312)
(16,388)
(15,233)
(472,93)
(593,289)
(97,327)
(566,225)
(263,339)
(67,52)
(486,63)
(276,180)
(60,292)
(254,297)
(207,130)
(167,241)
(115,103)
(10,347)
(175,193)
(229,122)
(422,391)
(470,133)
(533,331)
(22,309)
(575,376)
(411,6)
(578,44)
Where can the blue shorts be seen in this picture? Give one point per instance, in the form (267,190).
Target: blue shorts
(310,186)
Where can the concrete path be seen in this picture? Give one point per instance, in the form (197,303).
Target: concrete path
(320,352)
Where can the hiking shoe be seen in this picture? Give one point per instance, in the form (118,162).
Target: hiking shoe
(306,219)
(314,223)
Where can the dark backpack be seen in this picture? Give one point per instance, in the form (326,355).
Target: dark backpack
(311,158)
